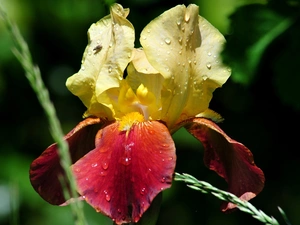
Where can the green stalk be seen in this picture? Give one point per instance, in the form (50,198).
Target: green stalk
(33,75)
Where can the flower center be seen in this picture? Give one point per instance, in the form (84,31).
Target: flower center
(130,119)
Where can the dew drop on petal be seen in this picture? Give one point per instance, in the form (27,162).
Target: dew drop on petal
(94,165)
(143,191)
(163,180)
(208,65)
(204,77)
(178,22)
(107,197)
(167,41)
(187,17)
(209,53)
(136,219)
(104,165)
(109,69)
(103,173)
(119,210)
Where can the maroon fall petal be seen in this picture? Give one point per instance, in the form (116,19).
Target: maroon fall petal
(126,170)
(46,169)
(229,158)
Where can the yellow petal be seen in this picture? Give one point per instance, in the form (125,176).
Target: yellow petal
(147,82)
(185,49)
(111,41)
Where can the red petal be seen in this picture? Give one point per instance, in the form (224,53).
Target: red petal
(44,170)
(125,171)
(229,158)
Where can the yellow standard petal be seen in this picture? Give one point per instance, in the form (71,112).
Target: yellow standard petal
(147,82)
(185,49)
(110,44)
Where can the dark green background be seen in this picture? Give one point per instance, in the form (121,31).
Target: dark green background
(260,104)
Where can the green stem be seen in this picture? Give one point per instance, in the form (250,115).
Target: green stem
(33,74)
(244,206)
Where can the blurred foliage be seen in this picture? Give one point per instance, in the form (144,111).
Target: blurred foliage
(257,103)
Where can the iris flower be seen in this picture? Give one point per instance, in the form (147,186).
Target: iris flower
(123,154)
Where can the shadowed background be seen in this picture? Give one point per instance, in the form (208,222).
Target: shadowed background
(260,104)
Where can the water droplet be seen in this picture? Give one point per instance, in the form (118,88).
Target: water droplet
(170,158)
(163,180)
(190,61)
(109,69)
(107,198)
(209,53)
(83,196)
(144,37)
(119,210)
(103,173)
(86,178)
(180,40)
(149,170)
(208,65)
(178,22)
(136,219)
(82,68)
(97,209)
(180,52)
(167,41)
(151,131)
(187,17)
(164,159)
(110,45)
(148,31)
(126,161)
(204,77)
(94,165)
(182,29)
(195,62)
(104,165)
(143,191)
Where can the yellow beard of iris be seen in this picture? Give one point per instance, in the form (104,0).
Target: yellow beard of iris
(130,119)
